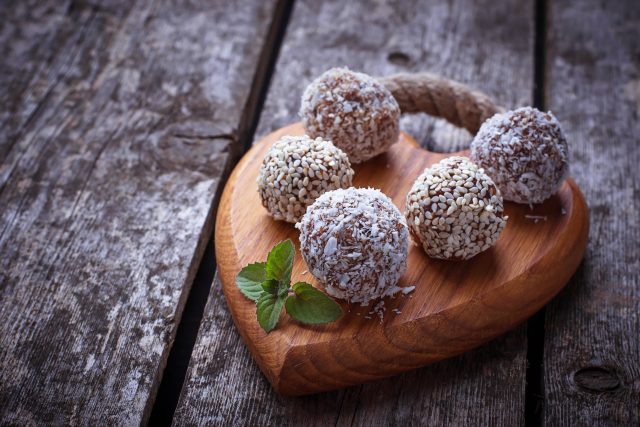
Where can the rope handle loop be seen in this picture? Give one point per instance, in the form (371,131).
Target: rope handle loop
(441,97)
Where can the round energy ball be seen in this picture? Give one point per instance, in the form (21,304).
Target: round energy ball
(525,152)
(454,210)
(298,169)
(353,110)
(355,242)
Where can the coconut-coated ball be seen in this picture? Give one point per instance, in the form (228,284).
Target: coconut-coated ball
(454,210)
(353,110)
(355,242)
(525,152)
(296,170)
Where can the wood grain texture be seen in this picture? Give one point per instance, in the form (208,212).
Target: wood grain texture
(592,344)
(118,121)
(456,306)
(489,48)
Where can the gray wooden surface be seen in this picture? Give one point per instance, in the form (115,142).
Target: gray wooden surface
(467,41)
(592,343)
(117,121)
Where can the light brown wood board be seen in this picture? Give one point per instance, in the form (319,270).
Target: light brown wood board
(456,306)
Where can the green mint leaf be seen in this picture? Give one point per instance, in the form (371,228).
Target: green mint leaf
(311,306)
(250,279)
(283,290)
(271,286)
(280,262)
(275,287)
(268,310)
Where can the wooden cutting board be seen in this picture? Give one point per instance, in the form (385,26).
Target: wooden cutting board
(455,306)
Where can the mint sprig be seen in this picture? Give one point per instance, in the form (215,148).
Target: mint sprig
(268,284)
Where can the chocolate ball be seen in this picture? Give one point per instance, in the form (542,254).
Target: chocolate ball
(297,170)
(355,242)
(353,110)
(525,152)
(454,210)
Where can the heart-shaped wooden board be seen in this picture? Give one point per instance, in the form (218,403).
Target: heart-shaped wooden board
(455,306)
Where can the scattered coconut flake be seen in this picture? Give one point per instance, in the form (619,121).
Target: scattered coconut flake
(407,289)
(536,218)
(379,310)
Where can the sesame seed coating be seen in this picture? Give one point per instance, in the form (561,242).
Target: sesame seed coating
(525,152)
(454,210)
(353,110)
(355,242)
(297,170)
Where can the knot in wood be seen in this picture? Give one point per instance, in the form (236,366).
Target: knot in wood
(597,379)
(398,58)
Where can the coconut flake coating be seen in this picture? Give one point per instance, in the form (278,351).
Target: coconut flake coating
(296,170)
(353,110)
(525,152)
(355,242)
(454,210)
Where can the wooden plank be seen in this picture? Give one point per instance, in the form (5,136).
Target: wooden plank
(592,347)
(119,120)
(488,48)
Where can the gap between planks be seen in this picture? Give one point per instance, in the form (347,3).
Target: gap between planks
(173,377)
(534,387)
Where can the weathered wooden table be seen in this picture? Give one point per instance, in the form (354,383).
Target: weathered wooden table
(120,121)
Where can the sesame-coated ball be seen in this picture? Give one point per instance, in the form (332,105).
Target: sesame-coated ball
(355,242)
(297,170)
(525,152)
(353,110)
(454,210)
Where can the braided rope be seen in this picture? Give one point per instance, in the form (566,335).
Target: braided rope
(440,97)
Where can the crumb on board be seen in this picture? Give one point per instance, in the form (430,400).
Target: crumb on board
(536,218)
(379,310)
(408,289)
